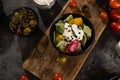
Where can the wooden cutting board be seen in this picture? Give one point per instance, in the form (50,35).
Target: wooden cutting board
(42,60)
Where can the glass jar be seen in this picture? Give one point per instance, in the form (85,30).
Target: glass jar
(44,4)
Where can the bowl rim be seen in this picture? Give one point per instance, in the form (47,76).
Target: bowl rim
(74,15)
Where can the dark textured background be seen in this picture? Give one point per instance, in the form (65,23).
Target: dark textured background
(102,64)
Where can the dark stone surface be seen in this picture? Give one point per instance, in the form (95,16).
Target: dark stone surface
(102,63)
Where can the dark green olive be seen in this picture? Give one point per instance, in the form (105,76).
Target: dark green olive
(27,31)
(17,14)
(25,25)
(31,17)
(33,23)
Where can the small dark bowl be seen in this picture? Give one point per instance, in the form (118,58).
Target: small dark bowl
(85,21)
(28,21)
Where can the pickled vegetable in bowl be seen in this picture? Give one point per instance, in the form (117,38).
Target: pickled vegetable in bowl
(23,21)
(72,34)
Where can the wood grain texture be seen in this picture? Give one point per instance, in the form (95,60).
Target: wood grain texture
(42,61)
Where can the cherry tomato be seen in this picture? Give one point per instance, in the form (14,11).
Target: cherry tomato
(57,76)
(115,26)
(114,4)
(73,46)
(103,15)
(73,3)
(115,15)
(24,77)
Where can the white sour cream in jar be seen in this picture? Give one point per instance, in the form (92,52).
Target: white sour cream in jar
(43,2)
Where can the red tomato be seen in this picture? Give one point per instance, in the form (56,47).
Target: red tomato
(73,46)
(114,4)
(73,3)
(24,77)
(115,26)
(115,15)
(103,15)
(57,76)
